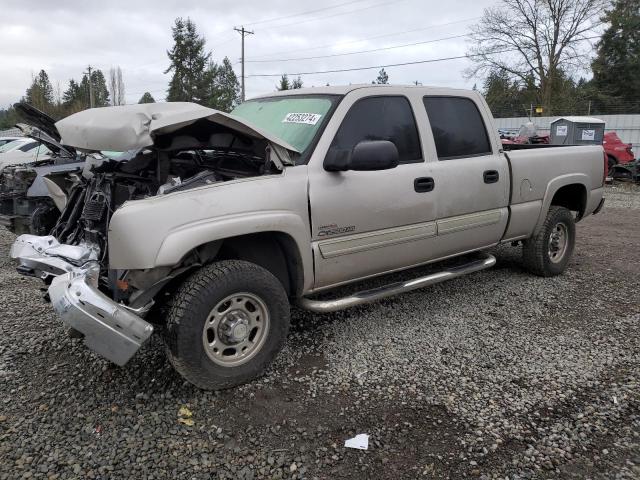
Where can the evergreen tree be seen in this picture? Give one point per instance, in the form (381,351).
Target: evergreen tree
(616,69)
(40,93)
(383,78)
(189,63)
(224,89)
(297,83)
(147,98)
(284,83)
(75,98)
(100,90)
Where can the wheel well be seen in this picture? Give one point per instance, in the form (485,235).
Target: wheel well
(573,197)
(276,252)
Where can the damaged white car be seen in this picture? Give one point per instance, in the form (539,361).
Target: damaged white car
(220,220)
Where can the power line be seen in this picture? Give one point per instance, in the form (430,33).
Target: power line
(385,35)
(335,14)
(372,67)
(305,13)
(284,17)
(360,51)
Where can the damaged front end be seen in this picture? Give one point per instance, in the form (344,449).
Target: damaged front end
(73,273)
(109,307)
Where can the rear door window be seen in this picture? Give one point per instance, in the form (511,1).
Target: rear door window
(381,118)
(457,126)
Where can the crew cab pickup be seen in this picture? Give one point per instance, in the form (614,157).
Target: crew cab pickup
(221,221)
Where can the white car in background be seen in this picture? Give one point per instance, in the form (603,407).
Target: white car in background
(23,150)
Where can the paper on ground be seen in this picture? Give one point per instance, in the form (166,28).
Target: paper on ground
(360,441)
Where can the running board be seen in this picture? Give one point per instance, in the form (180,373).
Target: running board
(374,294)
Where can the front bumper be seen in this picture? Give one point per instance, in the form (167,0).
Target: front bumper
(110,329)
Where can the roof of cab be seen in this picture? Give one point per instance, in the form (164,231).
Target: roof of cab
(344,89)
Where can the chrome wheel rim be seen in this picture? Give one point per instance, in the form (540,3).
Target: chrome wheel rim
(236,329)
(558,242)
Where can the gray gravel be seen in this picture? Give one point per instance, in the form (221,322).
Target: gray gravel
(496,375)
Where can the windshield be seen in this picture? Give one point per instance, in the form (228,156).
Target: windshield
(10,146)
(296,119)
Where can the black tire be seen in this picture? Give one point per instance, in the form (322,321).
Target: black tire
(191,306)
(611,162)
(538,252)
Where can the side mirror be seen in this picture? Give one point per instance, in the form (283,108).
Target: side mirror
(366,156)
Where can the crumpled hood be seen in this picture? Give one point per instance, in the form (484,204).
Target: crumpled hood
(132,127)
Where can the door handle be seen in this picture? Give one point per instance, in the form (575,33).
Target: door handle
(491,176)
(423,184)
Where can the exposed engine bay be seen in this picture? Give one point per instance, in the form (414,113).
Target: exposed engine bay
(198,155)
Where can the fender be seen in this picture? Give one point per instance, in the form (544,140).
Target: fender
(180,241)
(552,188)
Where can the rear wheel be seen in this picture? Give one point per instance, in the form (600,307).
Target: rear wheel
(548,252)
(611,162)
(226,323)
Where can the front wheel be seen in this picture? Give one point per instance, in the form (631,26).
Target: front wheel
(548,252)
(226,323)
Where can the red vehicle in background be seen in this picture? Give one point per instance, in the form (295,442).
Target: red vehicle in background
(617,151)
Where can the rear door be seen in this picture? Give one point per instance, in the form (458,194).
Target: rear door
(369,222)
(470,172)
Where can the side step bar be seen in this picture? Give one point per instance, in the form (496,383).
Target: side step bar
(374,294)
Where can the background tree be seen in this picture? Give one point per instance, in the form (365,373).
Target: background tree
(535,39)
(297,83)
(189,63)
(224,89)
(116,86)
(383,78)
(284,83)
(147,98)
(8,118)
(40,93)
(100,90)
(74,98)
(616,69)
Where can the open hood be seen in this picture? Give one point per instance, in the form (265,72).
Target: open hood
(131,127)
(40,126)
(37,134)
(35,118)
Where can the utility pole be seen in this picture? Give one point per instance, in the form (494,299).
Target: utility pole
(88,74)
(242,32)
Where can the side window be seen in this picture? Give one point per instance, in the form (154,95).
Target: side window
(381,118)
(457,127)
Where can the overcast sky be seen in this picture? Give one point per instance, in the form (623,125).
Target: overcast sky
(64,36)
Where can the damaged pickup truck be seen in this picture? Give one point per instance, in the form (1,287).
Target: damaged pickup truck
(222,220)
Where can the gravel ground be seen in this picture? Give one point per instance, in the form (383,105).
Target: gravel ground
(495,375)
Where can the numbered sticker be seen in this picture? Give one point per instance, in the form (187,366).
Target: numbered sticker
(305,118)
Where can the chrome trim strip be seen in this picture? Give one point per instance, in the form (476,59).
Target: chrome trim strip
(380,238)
(325,306)
(465,222)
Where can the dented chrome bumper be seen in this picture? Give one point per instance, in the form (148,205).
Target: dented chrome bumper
(110,329)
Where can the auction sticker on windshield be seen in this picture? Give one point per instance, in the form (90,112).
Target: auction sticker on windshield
(306,118)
